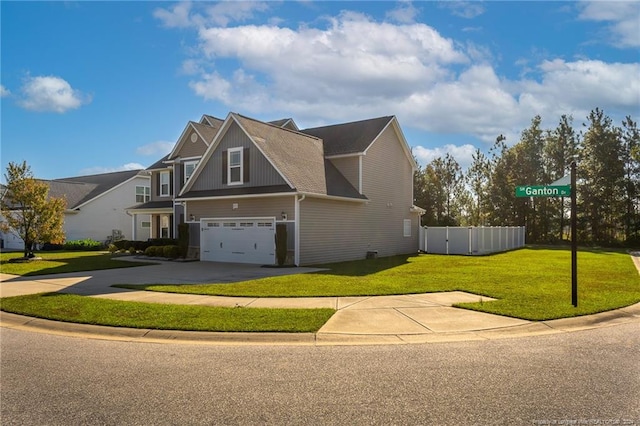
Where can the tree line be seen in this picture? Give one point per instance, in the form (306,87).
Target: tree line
(608,183)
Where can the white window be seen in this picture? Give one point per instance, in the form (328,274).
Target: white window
(189,167)
(145,224)
(234,168)
(407,227)
(164,184)
(143,194)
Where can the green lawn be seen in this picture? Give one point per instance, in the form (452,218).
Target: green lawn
(58,262)
(88,310)
(531,283)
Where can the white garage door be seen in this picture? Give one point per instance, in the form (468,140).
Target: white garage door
(241,240)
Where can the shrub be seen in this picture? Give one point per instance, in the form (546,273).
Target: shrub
(281,243)
(112,248)
(183,239)
(132,250)
(171,252)
(82,245)
(151,251)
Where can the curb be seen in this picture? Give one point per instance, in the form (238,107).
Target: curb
(626,315)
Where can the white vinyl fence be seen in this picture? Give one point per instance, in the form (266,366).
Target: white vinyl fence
(471,240)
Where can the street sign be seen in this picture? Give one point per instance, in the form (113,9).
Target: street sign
(543,191)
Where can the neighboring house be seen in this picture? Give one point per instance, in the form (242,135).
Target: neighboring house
(343,191)
(96,207)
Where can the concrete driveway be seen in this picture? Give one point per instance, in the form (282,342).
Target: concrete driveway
(415,318)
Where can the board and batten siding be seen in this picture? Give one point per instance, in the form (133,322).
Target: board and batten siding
(246,207)
(261,172)
(350,169)
(391,196)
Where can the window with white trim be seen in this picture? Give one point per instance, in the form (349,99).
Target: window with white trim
(164,184)
(407,227)
(189,167)
(143,194)
(145,224)
(234,166)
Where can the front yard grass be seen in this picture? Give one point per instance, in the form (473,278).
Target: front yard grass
(531,283)
(88,310)
(59,262)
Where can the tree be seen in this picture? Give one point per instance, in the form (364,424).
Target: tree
(478,176)
(559,151)
(601,172)
(27,210)
(630,145)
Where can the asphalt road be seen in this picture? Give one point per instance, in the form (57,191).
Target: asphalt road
(588,377)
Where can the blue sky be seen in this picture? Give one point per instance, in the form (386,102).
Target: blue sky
(92,87)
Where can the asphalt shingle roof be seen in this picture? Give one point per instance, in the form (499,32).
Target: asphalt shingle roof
(349,138)
(299,157)
(80,189)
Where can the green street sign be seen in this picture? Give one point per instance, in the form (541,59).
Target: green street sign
(543,191)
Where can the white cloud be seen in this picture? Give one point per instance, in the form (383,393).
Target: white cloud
(99,169)
(623,18)
(187,14)
(50,93)
(159,148)
(463,154)
(464,9)
(354,67)
(404,13)
(4,91)
(176,17)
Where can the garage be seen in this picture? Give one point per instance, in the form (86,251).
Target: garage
(238,240)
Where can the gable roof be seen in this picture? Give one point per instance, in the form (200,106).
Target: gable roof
(298,158)
(79,190)
(206,131)
(349,138)
(210,120)
(287,123)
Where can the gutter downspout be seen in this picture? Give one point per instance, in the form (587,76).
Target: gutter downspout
(297,229)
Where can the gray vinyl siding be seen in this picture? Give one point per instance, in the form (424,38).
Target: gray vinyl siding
(262,173)
(350,168)
(191,149)
(330,231)
(335,231)
(390,194)
(247,207)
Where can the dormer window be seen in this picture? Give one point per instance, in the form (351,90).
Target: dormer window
(234,166)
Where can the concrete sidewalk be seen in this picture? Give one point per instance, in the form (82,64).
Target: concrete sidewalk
(417,318)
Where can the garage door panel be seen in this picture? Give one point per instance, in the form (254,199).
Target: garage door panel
(243,240)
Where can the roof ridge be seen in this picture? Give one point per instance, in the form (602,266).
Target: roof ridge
(97,174)
(278,127)
(388,117)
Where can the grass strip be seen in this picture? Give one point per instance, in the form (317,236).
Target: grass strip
(531,283)
(89,310)
(63,262)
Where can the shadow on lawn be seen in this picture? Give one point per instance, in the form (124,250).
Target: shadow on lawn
(586,249)
(75,264)
(358,268)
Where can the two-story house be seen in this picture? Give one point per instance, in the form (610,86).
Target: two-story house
(97,207)
(342,191)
